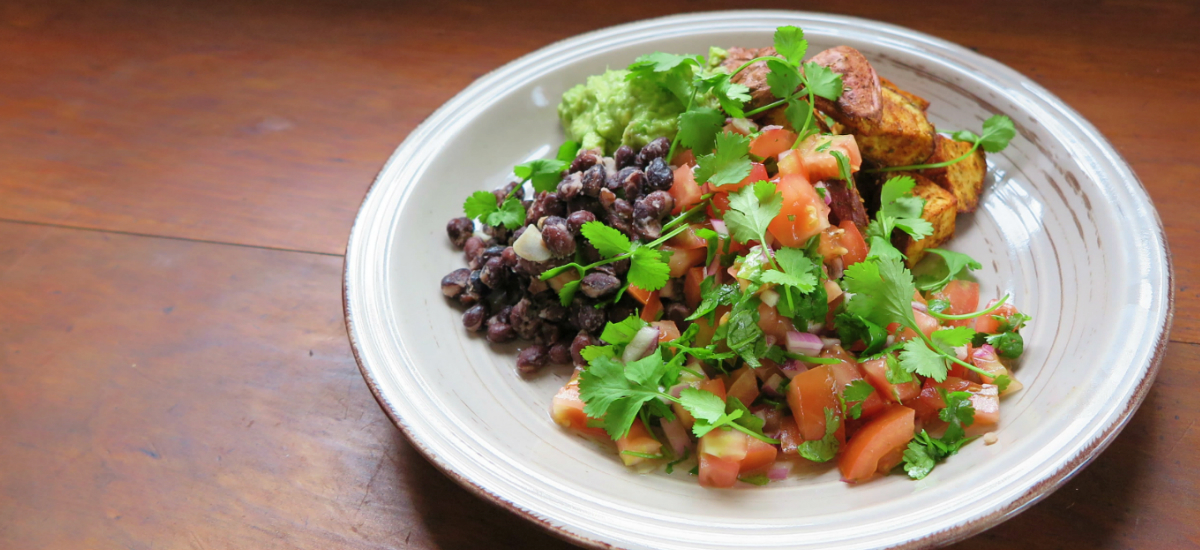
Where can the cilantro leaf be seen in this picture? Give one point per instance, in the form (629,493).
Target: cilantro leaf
(731,95)
(741,331)
(698,128)
(1002,382)
(672,72)
(823,81)
(747,420)
(998,130)
(567,151)
(622,333)
(880,247)
(934,274)
(729,164)
(797,270)
(545,173)
(790,43)
(959,413)
(896,373)
(843,163)
(567,293)
(919,459)
(713,297)
(916,357)
(799,113)
(479,204)
(714,241)
(824,449)
(783,78)
(590,353)
(950,338)
(607,240)
(899,209)
(852,328)
(511,214)
(751,210)
(1009,345)
(645,370)
(647,270)
(708,410)
(855,393)
(883,292)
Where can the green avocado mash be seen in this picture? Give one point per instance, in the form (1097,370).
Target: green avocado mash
(608,111)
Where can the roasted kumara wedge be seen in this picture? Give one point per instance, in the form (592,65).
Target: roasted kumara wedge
(964,179)
(903,136)
(941,209)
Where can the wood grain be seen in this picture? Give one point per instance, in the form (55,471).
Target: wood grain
(159,391)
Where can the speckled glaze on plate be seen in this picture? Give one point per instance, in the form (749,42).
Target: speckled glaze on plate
(1064,226)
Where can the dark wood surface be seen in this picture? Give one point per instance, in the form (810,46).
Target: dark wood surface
(177,182)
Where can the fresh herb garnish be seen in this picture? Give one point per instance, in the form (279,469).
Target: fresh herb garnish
(998,131)
(824,449)
(730,163)
(855,394)
(934,275)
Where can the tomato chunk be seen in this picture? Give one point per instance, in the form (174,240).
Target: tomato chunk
(758,173)
(688,239)
(691,287)
(792,164)
(853,242)
(667,330)
(882,436)
(772,142)
(789,436)
(845,373)
(875,371)
(987,405)
(718,473)
(809,394)
(685,190)
(682,260)
(963,297)
(566,409)
(759,456)
(725,443)
(803,214)
(638,440)
(744,385)
(987,324)
(819,159)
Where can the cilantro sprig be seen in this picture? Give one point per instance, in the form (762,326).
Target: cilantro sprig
(998,131)
(925,451)
(944,266)
(899,209)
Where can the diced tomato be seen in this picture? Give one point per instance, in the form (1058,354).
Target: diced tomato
(718,473)
(846,373)
(758,173)
(882,436)
(681,260)
(684,157)
(759,456)
(667,330)
(725,443)
(716,386)
(875,371)
(830,244)
(853,242)
(927,323)
(719,205)
(832,293)
(929,402)
(789,436)
(685,190)
(772,142)
(638,440)
(821,164)
(567,410)
(809,394)
(651,303)
(803,214)
(688,239)
(792,164)
(838,352)
(772,323)
(744,385)
(987,405)
(963,297)
(985,323)
(642,296)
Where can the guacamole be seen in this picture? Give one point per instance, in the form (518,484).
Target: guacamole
(608,111)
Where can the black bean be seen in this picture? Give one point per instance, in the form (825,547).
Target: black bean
(598,284)
(585,159)
(590,254)
(459,230)
(553,312)
(546,204)
(510,257)
(570,186)
(582,340)
(607,198)
(474,316)
(593,180)
(503,191)
(678,312)
(500,332)
(560,353)
(472,249)
(624,156)
(559,239)
(623,309)
(532,358)
(493,273)
(454,283)
(659,176)
(620,267)
(620,216)
(632,181)
(587,318)
(549,334)
(474,291)
(648,211)
(653,150)
(578,218)
(524,319)
(499,233)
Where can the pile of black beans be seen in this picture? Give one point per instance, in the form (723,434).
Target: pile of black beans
(502,292)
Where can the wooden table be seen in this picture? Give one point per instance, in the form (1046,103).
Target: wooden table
(177,181)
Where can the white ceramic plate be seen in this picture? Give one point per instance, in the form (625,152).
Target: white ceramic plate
(1064,226)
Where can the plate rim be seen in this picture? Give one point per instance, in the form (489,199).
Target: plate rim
(955,533)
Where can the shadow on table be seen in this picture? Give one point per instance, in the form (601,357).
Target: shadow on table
(1086,513)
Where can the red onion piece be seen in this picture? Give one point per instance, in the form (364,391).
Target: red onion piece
(677,436)
(985,353)
(828,197)
(780,470)
(643,344)
(804,343)
(771,386)
(830,342)
(719,227)
(920,307)
(792,368)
